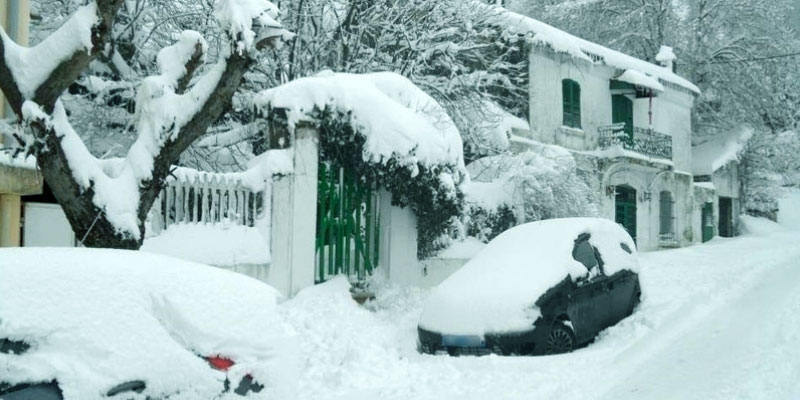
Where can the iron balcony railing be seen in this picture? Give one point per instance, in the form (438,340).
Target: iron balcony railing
(643,141)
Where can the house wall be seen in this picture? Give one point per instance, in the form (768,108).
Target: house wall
(671,109)
(649,181)
(546,71)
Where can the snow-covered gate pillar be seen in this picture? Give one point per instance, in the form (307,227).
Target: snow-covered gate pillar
(294,205)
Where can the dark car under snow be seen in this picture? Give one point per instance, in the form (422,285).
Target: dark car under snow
(545,287)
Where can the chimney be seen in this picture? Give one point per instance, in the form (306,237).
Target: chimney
(666,58)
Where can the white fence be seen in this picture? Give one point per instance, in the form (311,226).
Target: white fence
(192,196)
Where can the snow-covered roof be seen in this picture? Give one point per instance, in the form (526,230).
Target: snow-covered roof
(496,290)
(395,116)
(563,42)
(714,154)
(97,318)
(637,78)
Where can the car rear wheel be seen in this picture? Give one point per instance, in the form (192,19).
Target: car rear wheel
(560,340)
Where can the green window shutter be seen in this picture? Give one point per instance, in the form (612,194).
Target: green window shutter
(576,104)
(666,205)
(571,93)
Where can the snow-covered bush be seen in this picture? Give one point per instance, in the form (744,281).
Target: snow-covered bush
(539,184)
(768,162)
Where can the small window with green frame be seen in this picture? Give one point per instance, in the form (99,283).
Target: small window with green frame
(571,94)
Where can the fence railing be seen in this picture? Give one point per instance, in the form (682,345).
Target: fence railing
(192,196)
(644,141)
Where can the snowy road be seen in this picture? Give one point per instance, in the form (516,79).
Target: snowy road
(718,321)
(744,347)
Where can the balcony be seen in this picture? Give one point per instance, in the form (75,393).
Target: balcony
(643,141)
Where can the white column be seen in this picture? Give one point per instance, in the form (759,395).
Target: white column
(398,243)
(294,217)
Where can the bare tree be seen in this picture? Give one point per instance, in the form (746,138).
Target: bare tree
(107,201)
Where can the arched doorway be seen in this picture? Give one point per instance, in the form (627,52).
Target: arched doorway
(625,209)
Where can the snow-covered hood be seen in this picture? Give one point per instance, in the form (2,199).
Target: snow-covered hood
(496,290)
(98,318)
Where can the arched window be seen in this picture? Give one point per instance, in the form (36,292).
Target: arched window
(667,230)
(571,94)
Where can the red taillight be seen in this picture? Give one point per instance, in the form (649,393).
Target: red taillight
(220,363)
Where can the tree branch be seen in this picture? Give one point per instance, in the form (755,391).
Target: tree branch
(68,70)
(215,105)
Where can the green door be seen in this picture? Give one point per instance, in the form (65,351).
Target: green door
(622,112)
(625,209)
(707,220)
(347,225)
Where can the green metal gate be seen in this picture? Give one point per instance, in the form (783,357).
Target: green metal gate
(347,225)
(625,209)
(707,217)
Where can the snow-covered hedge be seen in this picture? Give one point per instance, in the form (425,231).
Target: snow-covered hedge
(390,135)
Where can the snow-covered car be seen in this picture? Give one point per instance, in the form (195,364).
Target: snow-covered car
(544,287)
(96,324)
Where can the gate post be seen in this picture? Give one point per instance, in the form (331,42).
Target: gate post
(398,242)
(294,216)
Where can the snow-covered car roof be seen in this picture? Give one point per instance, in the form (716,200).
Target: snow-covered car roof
(496,290)
(97,318)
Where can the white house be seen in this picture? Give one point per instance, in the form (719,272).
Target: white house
(626,120)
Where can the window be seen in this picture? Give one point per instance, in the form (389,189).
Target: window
(571,93)
(667,230)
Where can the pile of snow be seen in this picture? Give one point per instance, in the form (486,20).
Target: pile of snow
(395,117)
(463,249)
(714,154)
(563,42)
(218,244)
(98,318)
(750,225)
(497,289)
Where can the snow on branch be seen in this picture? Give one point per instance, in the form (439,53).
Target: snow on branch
(249,22)
(41,73)
(32,66)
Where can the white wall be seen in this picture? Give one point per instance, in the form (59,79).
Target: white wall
(46,225)
(671,109)
(546,71)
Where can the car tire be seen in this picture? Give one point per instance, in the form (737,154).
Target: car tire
(560,339)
